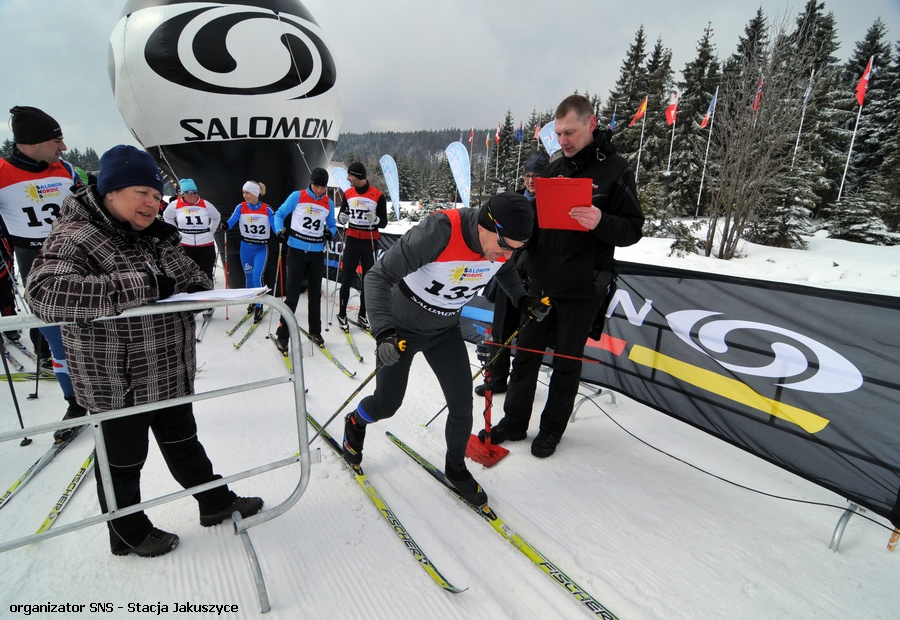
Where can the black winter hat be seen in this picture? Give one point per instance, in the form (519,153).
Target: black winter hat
(536,162)
(357,169)
(513,214)
(33,126)
(319,176)
(127,166)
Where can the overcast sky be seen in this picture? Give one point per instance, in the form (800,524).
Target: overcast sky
(404,64)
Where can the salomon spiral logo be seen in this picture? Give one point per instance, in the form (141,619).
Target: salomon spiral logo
(794,360)
(242,50)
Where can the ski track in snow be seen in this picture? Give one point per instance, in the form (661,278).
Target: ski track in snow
(646,535)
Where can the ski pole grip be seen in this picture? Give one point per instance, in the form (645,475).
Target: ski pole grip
(401,345)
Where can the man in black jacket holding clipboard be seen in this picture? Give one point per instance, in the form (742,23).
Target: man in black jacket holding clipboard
(572,268)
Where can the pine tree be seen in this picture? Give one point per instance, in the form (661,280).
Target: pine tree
(890,169)
(627,94)
(701,76)
(852,218)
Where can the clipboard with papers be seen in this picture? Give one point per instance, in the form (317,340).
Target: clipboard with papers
(555,196)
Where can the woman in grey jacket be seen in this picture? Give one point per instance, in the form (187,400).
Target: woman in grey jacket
(109,252)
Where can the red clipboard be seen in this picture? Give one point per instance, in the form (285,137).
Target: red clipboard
(555,196)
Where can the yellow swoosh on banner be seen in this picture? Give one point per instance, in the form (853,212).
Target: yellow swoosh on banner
(731,389)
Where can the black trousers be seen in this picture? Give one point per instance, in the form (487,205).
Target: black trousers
(566,330)
(446,353)
(357,252)
(309,266)
(507,319)
(204,256)
(127,442)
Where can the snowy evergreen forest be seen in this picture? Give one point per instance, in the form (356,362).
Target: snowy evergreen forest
(766,178)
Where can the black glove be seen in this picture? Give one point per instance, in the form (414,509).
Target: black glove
(196,287)
(390,349)
(165,285)
(537,308)
(282,234)
(326,235)
(223,226)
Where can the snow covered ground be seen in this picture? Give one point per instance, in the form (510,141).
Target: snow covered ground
(653,518)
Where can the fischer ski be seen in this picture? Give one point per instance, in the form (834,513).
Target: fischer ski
(386,512)
(352,344)
(38,465)
(30,375)
(62,502)
(284,354)
(488,514)
(243,320)
(237,345)
(329,355)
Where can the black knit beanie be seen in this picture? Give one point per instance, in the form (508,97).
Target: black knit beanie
(319,176)
(513,214)
(33,126)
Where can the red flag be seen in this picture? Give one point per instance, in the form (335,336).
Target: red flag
(642,109)
(672,111)
(758,94)
(863,85)
(471,135)
(537,131)
(487,140)
(497,137)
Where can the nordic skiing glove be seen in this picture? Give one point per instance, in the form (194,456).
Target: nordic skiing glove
(370,217)
(282,234)
(164,285)
(343,217)
(536,307)
(326,235)
(390,348)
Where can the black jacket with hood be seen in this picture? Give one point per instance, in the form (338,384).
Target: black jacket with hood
(562,264)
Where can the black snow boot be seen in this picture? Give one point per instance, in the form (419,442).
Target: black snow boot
(354,437)
(462,480)
(156,543)
(247,506)
(74,411)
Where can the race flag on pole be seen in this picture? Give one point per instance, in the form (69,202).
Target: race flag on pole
(612,122)
(537,131)
(497,135)
(471,135)
(672,111)
(709,111)
(758,94)
(487,140)
(519,133)
(863,85)
(642,109)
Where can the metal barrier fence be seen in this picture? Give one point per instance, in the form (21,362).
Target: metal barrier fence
(241,525)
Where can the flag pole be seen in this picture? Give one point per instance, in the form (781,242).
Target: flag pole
(850,152)
(640,148)
(518,161)
(803,115)
(487,148)
(672,141)
(712,121)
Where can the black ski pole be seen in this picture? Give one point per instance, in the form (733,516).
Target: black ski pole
(344,404)
(25,440)
(37,371)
